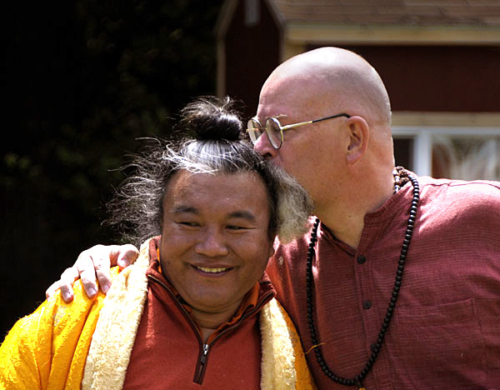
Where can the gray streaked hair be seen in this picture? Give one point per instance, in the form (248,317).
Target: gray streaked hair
(216,148)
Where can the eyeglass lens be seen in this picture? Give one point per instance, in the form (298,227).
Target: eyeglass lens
(255,130)
(274,132)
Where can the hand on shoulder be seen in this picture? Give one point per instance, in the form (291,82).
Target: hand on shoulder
(91,266)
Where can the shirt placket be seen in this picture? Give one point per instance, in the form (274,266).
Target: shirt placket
(371,306)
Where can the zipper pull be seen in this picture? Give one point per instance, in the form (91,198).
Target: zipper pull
(201,367)
(205,353)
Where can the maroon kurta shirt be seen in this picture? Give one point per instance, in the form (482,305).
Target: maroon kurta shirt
(445,332)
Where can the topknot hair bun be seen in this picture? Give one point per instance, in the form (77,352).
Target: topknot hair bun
(210,118)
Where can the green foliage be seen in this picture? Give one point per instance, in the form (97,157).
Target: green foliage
(85,80)
(121,70)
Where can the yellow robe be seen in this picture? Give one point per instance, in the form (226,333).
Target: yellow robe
(87,343)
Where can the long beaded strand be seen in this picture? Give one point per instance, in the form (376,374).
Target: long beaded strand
(357,380)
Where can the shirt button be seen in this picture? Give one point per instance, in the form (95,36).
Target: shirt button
(361,259)
(367,304)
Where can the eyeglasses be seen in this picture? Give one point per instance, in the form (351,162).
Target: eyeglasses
(275,131)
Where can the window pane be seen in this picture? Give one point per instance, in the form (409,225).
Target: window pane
(466,157)
(403,152)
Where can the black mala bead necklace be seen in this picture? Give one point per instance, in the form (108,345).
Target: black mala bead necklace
(401,177)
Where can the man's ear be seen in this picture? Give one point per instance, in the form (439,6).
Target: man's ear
(359,135)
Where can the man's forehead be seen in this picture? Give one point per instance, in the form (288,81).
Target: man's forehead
(273,107)
(195,185)
(188,179)
(283,97)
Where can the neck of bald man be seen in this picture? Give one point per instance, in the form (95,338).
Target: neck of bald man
(345,215)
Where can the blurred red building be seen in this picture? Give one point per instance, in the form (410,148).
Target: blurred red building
(439,59)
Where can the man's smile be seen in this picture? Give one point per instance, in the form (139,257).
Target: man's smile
(213,270)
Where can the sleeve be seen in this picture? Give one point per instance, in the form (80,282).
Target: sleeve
(48,348)
(25,353)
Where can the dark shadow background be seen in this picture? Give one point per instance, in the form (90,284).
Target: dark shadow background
(81,81)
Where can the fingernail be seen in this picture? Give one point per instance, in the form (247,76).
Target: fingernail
(105,288)
(124,263)
(91,291)
(67,296)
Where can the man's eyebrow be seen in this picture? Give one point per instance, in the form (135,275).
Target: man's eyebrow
(280,116)
(235,214)
(243,214)
(185,209)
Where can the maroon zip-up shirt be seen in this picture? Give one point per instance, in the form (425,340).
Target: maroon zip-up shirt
(445,332)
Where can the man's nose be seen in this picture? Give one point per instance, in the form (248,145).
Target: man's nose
(263,147)
(212,244)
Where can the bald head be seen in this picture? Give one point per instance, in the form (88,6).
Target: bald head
(332,77)
(337,160)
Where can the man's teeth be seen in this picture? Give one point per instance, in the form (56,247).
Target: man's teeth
(212,270)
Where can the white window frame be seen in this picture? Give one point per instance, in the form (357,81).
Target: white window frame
(422,145)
